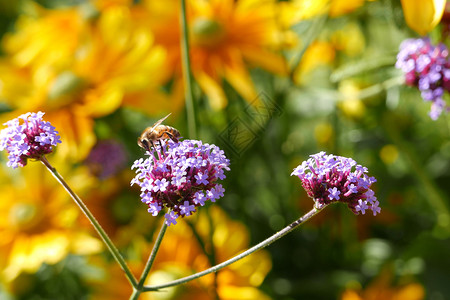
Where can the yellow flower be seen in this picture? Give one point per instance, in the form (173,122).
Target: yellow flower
(226,38)
(181,255)
(350,103)
(295,11)
(342,7)
(46,37)
(319,53)
(349,39)
(37,223)
(76,69)
(423,15)
(381,288)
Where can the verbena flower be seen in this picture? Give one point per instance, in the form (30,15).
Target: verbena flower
(106,159)
(27,136)
(180,176)
(428,68)
(328,179)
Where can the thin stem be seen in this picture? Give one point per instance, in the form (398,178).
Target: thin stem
(255,248)
(434,194)
(314,30)
(187,74)
(138,290)
(112,248)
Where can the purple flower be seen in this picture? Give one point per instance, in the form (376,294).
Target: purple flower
(171,218)
(106,159)
(328,179)
(186,209)
(201,178)
(428,68)
(334,193)
(27,136)
(180,176)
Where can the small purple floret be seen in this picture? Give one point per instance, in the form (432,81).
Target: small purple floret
(180,176)
(328,179)
(27,137)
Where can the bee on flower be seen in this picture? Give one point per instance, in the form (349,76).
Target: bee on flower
(180,176)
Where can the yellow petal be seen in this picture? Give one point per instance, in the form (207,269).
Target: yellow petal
(423,15)
(238,76)
(266,59)
(342,7)
(84,244)
(241,293)
(213,90)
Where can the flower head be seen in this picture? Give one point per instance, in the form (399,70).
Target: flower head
(227,38)
(180,176)
(329,178)
(106,159)
(428,68)
(27,136)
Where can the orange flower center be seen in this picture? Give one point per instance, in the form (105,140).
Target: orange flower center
(25,216)
(206,32)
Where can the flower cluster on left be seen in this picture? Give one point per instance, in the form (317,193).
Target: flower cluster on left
(27,137)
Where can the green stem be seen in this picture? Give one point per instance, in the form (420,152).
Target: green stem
(187,74)
(112,248)
(138,290)
(315,29)
(255,248)
(381,87)
(434,195)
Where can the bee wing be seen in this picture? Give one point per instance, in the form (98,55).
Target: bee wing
(160,121)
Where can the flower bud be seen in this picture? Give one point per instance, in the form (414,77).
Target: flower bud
(423,15)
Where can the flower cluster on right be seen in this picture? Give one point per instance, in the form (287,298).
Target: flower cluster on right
(428,68)
(328,179)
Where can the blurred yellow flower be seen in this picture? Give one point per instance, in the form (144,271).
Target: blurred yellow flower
(381,288)
(349,39)
(324,134)
(350,103)
(342,7)
(389,154)
(295,11)
(298,10)
(181,255)
(423,15)
(45,37)
(319,53)
(77,68)
(37,223)
(226,37)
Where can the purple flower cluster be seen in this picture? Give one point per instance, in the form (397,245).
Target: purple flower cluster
(27,136)
(427,67)
(180,176)
(329,178)
(107,158)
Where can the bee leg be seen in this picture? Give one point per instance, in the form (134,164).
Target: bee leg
(152,148)
(161,147)
(172,137)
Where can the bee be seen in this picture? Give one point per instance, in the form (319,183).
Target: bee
(157,132)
